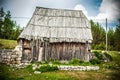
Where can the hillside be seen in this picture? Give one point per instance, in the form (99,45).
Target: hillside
(7,44)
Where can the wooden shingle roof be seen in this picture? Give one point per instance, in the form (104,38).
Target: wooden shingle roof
(59,25)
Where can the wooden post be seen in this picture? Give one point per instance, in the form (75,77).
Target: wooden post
(69,53)
(44,49)
(64,51)
(22,50)
(32,49)
(40,54)
(79,50)
(106,35)
(86,52)
(37,48)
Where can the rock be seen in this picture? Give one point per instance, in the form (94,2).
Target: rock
(4,56)
(8,56)
(34,66)
(18,62)
(50,64)
(78,68)
(8,60)
(88,68)
(37,72)
(97,68)
(26,64)
(19,55)
(103,51)
(13,56)
(18,48)
(18,59)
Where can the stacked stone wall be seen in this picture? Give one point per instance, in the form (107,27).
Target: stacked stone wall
(11,56)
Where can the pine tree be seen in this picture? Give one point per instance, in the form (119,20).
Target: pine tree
(98,33)
(8,26)
(1,21)
(117,37)
(110,39)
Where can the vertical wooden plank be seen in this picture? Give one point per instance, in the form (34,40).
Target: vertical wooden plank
(86,52)
(40,50)
(78,55)
(73,54)
(37,49)
(43,56)
(22,49)
(70,47)
(80,51)
(63,50)
(67,52)
(68,55)
(50,51)
(36,44)
(45,51)
(32,48)
(58,51)
(60,55)
(54,52)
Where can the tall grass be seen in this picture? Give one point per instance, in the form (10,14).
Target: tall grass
(7,44)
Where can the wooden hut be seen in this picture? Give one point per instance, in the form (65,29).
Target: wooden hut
(57,34)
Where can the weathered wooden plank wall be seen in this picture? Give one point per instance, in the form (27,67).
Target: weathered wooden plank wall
(55,51)
(64,51)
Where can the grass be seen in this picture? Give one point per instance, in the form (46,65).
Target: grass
(24,74)
(105,73)
(7,44)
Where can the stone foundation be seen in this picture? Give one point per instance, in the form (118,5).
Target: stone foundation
(11,56)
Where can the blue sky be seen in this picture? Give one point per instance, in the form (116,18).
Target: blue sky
(97,10)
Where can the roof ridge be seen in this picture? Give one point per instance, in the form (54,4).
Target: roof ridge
(59,9)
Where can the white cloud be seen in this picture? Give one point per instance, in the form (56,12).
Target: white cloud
(98,18)
(81,7)
(25,8)
(108,9)
(18,8)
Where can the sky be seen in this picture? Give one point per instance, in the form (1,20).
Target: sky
(97,10)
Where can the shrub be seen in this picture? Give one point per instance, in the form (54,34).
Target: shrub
(76,61)
(112,66)
(95,61)
(98,55)
(29,68)
(57,62)
(47,68)
(107,56)
(45,62)
(111,48)
(100,46)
